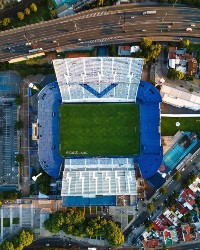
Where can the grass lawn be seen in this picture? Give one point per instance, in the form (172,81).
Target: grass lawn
(93,210)
(168,125)
(41,15)
(6,222)
(130,217)
(99,130)
(87,210)
(15,221)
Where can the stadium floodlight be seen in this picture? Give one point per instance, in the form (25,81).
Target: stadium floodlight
(34,178)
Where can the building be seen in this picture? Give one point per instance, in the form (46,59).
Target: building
(99,180)
(181,61)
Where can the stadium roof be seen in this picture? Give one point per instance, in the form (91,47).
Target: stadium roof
(180,98)
(99,179)
(93,70)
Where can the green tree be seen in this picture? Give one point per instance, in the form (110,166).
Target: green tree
(18,99)
(18,124)
(27,11)
(19,158)
(173,74)
(25,238)
(179,75)
(177,176)
(114,234)
(148,224)
(5,22)
(20,15)
(52,13)
(163,190)
(185,43)
(33,7)
(150,207)
(7,245)
(145,43)
(112,50)
(43,182)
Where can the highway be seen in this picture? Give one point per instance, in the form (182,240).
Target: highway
(100,27)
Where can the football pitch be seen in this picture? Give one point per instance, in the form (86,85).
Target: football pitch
(99,130)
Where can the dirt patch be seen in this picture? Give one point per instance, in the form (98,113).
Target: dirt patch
(77,54)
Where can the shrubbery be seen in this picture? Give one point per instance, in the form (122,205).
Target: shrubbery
(75,223)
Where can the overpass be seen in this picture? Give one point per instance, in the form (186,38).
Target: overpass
(102,26)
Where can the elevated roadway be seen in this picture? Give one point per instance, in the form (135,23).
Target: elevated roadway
(116,24)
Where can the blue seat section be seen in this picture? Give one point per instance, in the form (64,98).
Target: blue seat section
(147,93)
(79,201)
(156,181)
(49,100)
(151,151)
(97,94)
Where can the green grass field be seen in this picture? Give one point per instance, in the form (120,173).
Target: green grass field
(99,130)
(168,125)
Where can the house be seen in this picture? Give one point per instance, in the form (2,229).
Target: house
(195,186)
(180,210)
(124,50)
(187,198)
(187,235)
(181,61)
(171,216)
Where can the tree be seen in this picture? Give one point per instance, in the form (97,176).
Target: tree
(112,50)
(163,190)
(145,43)
(173,74)
(18,99)
(179,75)
(19,158)
(177,176)
(18,124)
(20,15)
(27,11)
(43,182)
(52,13)
(114,234)
(149,224)
(25,238)
(7,245)
(5,21)
(185,43)
(150,207)
(33,7)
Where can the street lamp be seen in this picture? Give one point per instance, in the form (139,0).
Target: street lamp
(34,178)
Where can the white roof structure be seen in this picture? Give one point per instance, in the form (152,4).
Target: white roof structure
(180,98)
(99,179)
(195,186)
(113,78)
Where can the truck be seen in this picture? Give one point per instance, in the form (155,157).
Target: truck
(35,50)
(188,29)
(149,12)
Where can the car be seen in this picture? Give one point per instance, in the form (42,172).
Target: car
(192,25)
(143,30)
(132,17)
(183,169)
(28,44)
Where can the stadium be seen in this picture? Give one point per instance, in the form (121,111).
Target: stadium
(102,122)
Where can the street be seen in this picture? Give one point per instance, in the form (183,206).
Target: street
(101,26)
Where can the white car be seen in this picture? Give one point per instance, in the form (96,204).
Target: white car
(192,25)
(132,17)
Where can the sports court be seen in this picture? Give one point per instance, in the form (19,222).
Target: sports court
(92,130)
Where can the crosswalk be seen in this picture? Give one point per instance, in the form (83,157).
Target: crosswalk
(103,39)
(102,13)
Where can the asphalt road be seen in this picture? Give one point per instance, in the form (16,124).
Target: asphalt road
(192,246)
(102,26)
